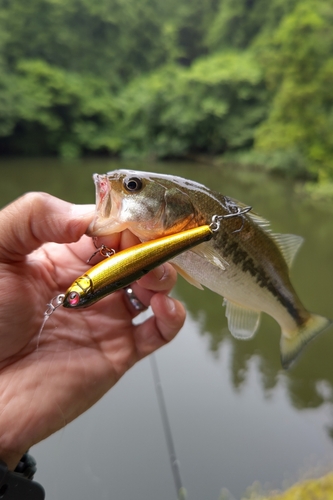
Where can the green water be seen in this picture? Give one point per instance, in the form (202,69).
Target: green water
(236,416)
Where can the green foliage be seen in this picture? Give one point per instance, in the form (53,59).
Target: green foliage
(58,111)
(170,78)
(114,39)
(237,24)
(64,63)
(212,106)
(299,62)
(83,36)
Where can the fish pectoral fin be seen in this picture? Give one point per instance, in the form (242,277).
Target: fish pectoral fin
(242,322)
(186,276)
(207,252)
(288,244)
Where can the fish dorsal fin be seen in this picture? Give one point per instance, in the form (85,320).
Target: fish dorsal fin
(288,244)
(186,276)
(207,252)
(242,322)
(260,221)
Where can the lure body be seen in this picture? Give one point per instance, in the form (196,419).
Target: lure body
(127,266)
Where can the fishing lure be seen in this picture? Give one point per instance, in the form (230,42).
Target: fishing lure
(125,267)
(121,269)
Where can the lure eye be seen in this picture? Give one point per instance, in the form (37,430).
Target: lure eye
(133,184)
(73,299)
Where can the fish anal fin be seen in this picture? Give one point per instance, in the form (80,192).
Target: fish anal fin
(187,277)
(288,244)
(291,346)
(242,322)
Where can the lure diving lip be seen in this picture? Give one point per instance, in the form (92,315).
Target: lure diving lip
(129,265)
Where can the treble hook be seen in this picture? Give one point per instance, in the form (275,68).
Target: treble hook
(103,250)
(240,212)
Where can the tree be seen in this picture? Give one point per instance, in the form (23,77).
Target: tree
(299,72)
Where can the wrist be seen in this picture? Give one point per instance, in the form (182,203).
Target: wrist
(14,433)
(11,449)
(11,459)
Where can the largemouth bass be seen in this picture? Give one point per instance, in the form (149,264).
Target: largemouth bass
(245,262)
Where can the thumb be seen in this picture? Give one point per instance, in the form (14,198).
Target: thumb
(37,218)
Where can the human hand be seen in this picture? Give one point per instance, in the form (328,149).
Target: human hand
(81,354)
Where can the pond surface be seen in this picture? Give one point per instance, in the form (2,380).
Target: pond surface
(236,416)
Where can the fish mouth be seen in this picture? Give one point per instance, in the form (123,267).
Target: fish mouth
(103,202)
(103,195)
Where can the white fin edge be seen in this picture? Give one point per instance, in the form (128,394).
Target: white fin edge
(242,322)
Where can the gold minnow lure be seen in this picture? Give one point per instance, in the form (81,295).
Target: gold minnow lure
(129,265)
(121,269)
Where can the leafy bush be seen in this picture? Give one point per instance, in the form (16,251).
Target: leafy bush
(170,78)
(299,70)
(58,111)
(213,106)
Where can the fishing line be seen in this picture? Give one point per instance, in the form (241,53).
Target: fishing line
(174,462)
(50,308)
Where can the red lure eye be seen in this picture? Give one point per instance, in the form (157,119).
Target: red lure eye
(73,298)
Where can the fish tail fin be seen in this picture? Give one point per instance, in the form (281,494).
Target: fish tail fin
(291,347)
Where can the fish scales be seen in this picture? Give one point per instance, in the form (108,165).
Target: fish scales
(245,262)
(240,248)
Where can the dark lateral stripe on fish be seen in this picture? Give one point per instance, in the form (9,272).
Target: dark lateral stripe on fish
(240,257)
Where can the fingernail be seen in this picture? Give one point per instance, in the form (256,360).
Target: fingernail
(159,272)
(170,305)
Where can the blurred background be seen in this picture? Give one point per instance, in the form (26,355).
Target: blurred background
(248,79)
(238,95)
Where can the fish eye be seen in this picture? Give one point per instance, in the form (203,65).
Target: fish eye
(133,184)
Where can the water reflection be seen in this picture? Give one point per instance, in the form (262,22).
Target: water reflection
(304,381)
(312,276)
